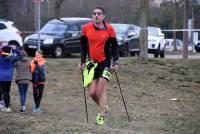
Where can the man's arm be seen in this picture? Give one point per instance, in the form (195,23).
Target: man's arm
(115,49)
(84,48)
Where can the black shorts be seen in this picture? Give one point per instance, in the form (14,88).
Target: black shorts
(99,70)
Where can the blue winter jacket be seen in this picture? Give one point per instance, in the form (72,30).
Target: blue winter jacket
(7,65)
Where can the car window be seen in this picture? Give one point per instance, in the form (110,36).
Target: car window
(73,28)
(152,31)
(120,29)
(2,26)
(54,28)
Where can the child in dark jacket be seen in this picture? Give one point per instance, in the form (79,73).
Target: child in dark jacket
(38,79)
(23,78)
(7,61)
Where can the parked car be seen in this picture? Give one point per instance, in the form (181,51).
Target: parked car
(127,38)
(170,45)
(9,33)
(58,37)
(197,46)
(156,42)
(179,45)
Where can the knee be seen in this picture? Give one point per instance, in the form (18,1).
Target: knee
(92,93)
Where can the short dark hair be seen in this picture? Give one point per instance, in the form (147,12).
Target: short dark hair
(101,8)
(6,49)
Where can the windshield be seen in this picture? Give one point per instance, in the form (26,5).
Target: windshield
(120,29)
(152,31)
(54,28)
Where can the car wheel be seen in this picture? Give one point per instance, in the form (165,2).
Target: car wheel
(31,52)
(58,52)
(197,49)
(162,54)
(132,53)
(156,53)
(124,52)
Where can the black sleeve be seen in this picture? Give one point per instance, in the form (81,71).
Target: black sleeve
(111,51)
(115,49)
(84,48)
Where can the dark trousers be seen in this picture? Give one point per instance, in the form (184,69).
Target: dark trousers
(23,91)
(5,85)
(37,94)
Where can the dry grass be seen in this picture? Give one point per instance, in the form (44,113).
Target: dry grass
(147,90)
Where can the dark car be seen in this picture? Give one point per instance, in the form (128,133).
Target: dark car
(58,37)
(197,46)
(127,38)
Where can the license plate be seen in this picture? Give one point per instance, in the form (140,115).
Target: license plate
(32,46)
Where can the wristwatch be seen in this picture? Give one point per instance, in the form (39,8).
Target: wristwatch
(115,62)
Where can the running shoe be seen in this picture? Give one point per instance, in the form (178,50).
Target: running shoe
(100,120)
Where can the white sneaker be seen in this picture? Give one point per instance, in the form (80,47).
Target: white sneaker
(3,109)
(2,105)
(8,110)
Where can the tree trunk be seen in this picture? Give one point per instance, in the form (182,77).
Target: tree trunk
(174,25)
(185,33)
(143,57)
(58,4)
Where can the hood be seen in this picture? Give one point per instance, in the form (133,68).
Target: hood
(44,36)
(150,37)
(121,35)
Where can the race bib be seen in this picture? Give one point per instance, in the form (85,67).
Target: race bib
(107,74)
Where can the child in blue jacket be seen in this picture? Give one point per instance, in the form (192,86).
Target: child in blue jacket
(7,61)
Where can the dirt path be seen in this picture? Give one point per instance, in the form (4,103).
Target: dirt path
(147,90)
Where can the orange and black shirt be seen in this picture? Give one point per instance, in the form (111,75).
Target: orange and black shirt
(99,44)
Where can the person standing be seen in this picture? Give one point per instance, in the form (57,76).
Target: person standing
(23,78)
(2,105)
(38,79)
(7,61)
(99,45)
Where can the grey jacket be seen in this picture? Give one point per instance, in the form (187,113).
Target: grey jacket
(23,71)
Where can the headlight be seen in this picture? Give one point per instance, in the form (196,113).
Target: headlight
(121,38)
(48,41)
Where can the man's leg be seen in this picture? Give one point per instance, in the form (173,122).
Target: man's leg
(93,91)
(101,95)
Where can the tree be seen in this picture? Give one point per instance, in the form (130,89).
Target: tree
(57,8)
(185,33)
(143,57)
(174,24)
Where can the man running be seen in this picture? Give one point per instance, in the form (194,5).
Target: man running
(99,45)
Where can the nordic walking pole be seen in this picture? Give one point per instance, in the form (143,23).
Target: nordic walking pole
(85,98)
(122,96)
